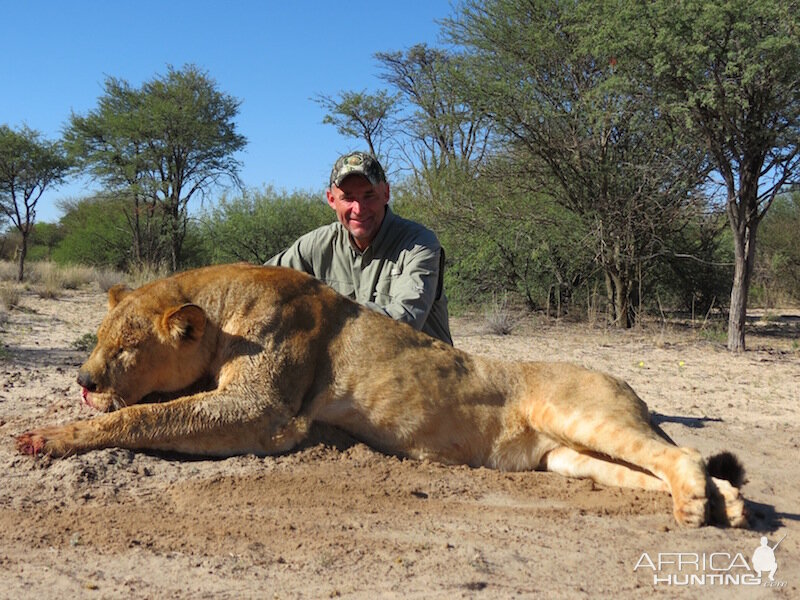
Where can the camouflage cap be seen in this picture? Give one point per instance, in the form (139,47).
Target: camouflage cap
(357,163)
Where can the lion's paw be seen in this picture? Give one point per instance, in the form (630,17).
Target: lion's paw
(727,504)
(31,443)
(691,512)
(52,441)
(688,484)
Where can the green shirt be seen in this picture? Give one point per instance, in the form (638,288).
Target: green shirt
(399,274)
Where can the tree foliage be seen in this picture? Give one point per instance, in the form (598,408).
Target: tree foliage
(95,232)
(29,165)
(731,72)
(777,269)
(43,241)
(160,145)
(440,130)
(259,224)
(575,130)
(541,256)
(363,116)
(695,275)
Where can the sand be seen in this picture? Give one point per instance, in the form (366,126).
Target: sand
(337,519)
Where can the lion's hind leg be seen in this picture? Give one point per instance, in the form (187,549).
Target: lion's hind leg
(725,503)
(598,415)
(572,463)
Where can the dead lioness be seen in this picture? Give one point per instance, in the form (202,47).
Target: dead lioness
(253,355)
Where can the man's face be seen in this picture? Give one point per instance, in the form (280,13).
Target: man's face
(360,207)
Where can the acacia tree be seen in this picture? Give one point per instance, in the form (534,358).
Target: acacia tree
(160,145)
(578,133)
(362,116)
(425,122)
(443,132)
(731,72)
(111,143)
(28,166)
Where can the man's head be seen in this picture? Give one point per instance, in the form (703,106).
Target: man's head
(359,194)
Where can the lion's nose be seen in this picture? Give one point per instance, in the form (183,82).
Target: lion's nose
(85,381)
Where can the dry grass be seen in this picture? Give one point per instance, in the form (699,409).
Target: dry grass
(498,317)
(49,280)
(8,270)
(10,296)
(138,276)
(74,277)
(57,277)
(107,278)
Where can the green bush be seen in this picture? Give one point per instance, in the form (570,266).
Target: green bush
(777,273)
(500,240)
(95,232)
(696,271)
(259,224)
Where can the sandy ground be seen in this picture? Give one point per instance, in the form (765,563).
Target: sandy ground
(336,519)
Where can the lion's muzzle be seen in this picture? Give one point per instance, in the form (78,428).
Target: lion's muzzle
(86,382)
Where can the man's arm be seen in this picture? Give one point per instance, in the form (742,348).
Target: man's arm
(415,290)
(295,257)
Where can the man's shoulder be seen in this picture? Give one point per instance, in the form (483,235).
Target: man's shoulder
(324,233)
(413,231)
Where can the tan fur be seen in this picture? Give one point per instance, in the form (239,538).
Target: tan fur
(254,355)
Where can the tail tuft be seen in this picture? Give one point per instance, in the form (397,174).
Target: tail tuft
(726,466)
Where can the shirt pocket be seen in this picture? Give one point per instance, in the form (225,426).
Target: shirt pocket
(388,285)
(344,287)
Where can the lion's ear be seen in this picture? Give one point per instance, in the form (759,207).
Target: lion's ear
(116,293)
(187,322)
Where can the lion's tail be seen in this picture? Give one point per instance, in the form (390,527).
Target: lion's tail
(726,466)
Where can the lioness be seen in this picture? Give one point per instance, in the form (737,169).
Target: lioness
(253,355)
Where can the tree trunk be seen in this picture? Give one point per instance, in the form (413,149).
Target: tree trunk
(176,241)
(611,297)
(137,232)
(549,295)
(744,218)
(173,254)
(23,251)
(622,307)
(618,288)
(744,243)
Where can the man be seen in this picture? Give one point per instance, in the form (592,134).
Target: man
(387,263)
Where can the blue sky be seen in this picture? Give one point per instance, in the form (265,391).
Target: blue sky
(273,56)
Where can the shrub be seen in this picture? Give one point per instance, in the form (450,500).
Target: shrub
(8,270)
(107,278)
(260,224)
(10,296)
(498,317)
(85,343)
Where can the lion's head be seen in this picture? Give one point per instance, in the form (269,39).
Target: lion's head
(147,343)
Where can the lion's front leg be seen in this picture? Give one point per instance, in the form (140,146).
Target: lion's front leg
(58,440)
(210,423)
